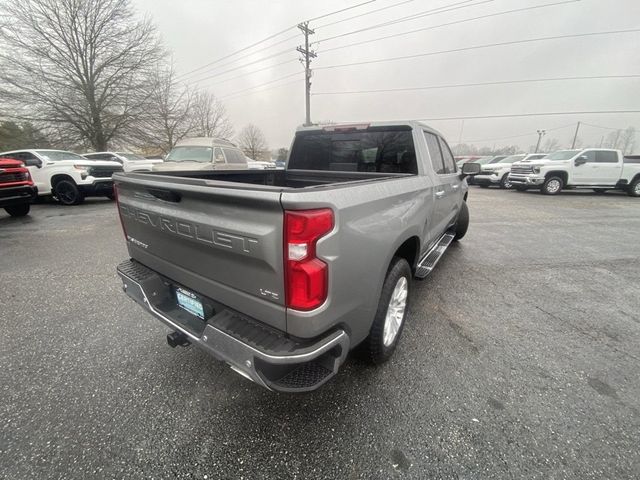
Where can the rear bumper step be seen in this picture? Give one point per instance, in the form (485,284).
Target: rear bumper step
(258,352)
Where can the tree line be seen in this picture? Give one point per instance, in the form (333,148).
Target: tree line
(622,139)
(91,75)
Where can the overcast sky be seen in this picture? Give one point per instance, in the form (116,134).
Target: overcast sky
(201,31)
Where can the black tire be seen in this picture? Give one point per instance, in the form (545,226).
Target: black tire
(552,186)
(520,188)
(505,184)
(462,224)
(18,210)
(600,190)
(634,188)
(68,193)
(374,348)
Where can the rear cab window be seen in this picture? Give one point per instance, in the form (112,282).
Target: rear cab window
(374,149)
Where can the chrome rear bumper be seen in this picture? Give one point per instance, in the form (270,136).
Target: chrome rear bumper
(260,353)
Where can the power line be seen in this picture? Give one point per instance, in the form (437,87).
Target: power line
(433,27)
(236,52)
(262,84)
(535,114)
(243,75)
(475,47)
(426,13)
(243,66)
(599,126)
(339,11)
(363,14)
(251,54)
(266,39)
(515,136)
(261,90)
(479,84)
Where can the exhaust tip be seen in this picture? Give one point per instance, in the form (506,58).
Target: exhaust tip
(177,339)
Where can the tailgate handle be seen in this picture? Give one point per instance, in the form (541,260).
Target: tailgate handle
(166,195)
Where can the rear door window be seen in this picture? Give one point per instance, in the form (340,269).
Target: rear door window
(435,153)
(218,157)
(604,156)
(449,162)
(234,156)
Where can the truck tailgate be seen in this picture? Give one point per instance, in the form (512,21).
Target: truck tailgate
(222,243)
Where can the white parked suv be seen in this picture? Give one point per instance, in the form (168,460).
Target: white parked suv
(498,173)
(129,161)
(67,176)
(599,169)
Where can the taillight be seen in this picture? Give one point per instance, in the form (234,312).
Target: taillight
(115,194)
(306,276)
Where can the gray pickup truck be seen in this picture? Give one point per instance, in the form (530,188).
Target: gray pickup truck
(281,273)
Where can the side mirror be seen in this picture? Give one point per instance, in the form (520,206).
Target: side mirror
(581,160)
(470,168)
(33,162)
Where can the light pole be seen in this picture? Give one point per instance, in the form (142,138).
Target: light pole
(541,133)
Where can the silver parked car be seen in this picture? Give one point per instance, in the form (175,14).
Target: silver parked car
(203,153)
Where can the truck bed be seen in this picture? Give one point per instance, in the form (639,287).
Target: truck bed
(281,180)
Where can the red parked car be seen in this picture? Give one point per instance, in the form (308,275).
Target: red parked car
(16,187)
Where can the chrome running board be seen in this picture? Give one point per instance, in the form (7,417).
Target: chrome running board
(431,258)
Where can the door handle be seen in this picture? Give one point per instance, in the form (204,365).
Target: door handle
(440,194)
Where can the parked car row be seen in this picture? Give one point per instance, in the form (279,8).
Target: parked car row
(70,178)
(598,169)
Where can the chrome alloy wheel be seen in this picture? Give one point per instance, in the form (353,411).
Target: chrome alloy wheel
(395,312)
(553,186)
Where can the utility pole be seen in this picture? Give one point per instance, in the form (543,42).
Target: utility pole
(541,134)
(575,136)
(307,55)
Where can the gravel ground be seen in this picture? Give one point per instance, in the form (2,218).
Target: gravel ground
(519,360)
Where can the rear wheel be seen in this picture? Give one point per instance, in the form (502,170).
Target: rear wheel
(390,315)
(18,210)
(462,224)
(552,186)
(68,193)
(634,188)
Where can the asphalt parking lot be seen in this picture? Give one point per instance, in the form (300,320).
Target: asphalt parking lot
(520,359)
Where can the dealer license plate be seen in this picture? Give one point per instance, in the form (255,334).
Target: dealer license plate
(189,301)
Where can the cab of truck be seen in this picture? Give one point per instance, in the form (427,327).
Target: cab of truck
(203,153)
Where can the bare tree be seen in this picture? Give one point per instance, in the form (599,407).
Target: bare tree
(628,140)
(167,117)
(550,145)
(252,142)
(209,116)
(79,66)
(613,139)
